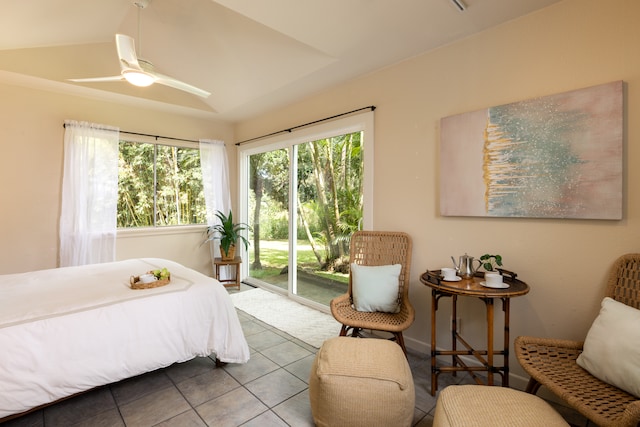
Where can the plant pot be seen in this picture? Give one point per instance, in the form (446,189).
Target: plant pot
(230,255)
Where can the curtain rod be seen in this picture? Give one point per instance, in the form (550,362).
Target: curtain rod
(152,136)
(160,136)
(289,130)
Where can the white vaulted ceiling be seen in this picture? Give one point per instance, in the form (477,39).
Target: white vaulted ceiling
(252,55)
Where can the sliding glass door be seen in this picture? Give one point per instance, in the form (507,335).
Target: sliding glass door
(304,197)
(268,214)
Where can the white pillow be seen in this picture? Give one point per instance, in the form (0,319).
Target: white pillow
(612,347)
(375,288)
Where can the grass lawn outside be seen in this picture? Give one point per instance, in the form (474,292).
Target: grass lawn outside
(274,257)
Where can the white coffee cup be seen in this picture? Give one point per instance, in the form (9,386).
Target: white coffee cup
(147,278)
(493,278)
(449,273)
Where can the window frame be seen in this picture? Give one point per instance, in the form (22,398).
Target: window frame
(168,229)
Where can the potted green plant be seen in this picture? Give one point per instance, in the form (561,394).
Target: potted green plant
(228,233)
(491,262)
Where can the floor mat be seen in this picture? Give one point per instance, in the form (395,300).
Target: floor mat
(305,323)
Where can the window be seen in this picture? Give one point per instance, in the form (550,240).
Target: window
(159,185)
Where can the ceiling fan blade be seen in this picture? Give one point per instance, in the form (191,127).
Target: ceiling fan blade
(177,84)
(126,47)
(99,79)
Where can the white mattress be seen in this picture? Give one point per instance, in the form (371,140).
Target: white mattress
(67,330)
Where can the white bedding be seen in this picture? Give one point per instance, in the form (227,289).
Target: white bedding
(67,330)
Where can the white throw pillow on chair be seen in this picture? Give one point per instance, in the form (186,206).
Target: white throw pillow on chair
(375,288)
(612,347)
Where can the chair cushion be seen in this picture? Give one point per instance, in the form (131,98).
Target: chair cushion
(375,288)
(480,406)
(612,347)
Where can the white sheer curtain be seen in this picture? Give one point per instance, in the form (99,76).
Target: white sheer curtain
(215,181)
(89,194)
(215,178)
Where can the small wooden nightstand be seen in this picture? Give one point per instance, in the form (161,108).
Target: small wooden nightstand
(218,262)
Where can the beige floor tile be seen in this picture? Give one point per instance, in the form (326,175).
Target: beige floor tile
(276,387)
(265,340)
(110,418)
(231,409)
(81,407)
(186,419)
(427,421)
(267,419)
(286,353)
(137,387)
(296,411)
(207,386)
(302,368)
(257,366)
(181,371)
(154,408)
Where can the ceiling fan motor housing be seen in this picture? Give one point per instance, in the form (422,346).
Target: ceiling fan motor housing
(141,3)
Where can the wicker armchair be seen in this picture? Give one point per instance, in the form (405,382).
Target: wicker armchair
(373,248)
(552,363)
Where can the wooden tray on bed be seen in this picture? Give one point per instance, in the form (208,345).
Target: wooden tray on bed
(137,284)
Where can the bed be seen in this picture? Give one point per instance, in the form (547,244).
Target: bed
(67,330)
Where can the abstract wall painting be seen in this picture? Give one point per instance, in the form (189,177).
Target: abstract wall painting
(558,156)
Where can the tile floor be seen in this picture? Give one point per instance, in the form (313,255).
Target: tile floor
(270,390)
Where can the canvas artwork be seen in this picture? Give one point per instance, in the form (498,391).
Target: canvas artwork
(558,156)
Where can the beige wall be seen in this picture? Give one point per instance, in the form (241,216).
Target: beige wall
(31,138)
(574,44)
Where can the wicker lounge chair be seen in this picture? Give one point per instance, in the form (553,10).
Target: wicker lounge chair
(376,248)
(552,363)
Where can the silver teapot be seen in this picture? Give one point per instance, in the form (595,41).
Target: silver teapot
(465,267)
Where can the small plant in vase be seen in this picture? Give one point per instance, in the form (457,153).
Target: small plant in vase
(491,262)
(228,233)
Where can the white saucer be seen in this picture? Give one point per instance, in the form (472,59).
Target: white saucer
(457,279)
(500,286)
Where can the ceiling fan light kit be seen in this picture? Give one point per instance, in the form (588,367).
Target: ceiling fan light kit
(138,78)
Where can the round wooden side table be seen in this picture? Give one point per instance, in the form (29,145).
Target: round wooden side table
(472,288)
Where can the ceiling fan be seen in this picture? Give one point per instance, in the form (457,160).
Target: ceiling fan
(138,71)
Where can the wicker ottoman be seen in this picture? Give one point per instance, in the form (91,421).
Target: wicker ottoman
(361,382)
(479,406)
